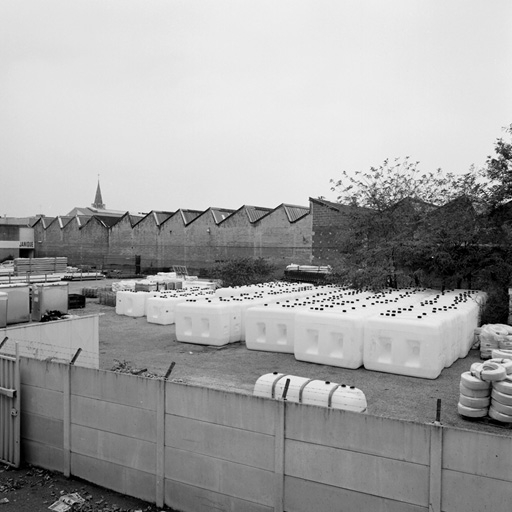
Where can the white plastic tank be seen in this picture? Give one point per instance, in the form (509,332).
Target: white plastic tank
(330,336)
(18,302)
(271,328)
(208,321)
(160,310)
(131,304)
(311,392)
(410,343)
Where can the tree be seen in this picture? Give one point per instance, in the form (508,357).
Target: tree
(402,231)
(498,171)
(243,271)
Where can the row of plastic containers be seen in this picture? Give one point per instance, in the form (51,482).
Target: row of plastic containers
(414,333)
(160,307)
(161,282)
(157,306)
(411,332)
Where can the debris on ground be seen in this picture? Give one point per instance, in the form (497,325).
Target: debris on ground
(126,367)
(32,488)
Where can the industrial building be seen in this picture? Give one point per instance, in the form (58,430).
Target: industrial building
(16,239)
(101,238)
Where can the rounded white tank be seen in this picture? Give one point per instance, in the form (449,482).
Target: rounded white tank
(311,392)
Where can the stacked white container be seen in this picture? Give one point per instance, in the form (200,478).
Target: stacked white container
(334,334)
(208,321)
(131,304)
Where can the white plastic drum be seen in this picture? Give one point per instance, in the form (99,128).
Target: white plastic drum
(311,392)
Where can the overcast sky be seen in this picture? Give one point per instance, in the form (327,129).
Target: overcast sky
(198,103)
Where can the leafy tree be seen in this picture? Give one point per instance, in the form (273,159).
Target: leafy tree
(498,171)
(409,227)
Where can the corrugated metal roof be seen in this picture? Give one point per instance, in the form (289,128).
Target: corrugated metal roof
(255,213)
(219,214)
(189,215)
(294,213)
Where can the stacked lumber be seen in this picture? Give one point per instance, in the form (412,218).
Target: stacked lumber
(40,265)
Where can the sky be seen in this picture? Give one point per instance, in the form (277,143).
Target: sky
(220,103)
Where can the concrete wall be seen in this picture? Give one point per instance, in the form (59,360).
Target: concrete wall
(284,242)
(202,242)
(57,340)
(94,243)
(330,223)
(198,449)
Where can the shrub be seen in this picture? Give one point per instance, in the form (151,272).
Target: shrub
(243,271)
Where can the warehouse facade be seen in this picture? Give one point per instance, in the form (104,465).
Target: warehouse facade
(191,238)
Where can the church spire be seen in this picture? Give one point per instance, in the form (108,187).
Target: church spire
(98,201)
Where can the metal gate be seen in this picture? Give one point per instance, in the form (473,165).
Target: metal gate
(10,409)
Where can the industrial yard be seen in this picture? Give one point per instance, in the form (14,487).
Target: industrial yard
(133,344)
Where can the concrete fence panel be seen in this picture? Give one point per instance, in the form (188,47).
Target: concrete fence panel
(477,471)
(221,446)
(42,422)
(113,430)
(197,449)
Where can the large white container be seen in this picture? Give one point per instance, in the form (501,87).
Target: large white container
(211,321)
(49,297)
(311,392)
(131,304)
(3,309)
(160,310)
(18,302)
(407,344)
(271,328)
(330,337)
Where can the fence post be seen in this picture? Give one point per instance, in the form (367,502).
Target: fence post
(66,417)
(279,440)
(436,467)
(510,306)
(160,444)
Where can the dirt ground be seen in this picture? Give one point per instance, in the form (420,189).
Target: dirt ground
(31,489)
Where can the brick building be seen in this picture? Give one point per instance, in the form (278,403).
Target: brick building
(102,238)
